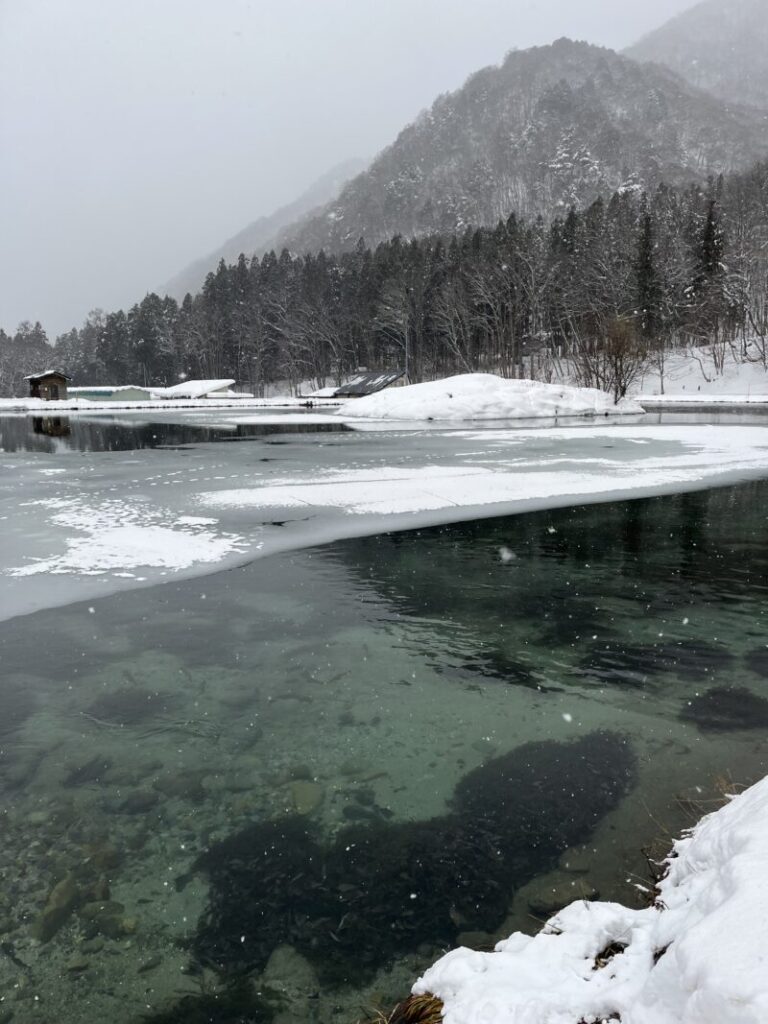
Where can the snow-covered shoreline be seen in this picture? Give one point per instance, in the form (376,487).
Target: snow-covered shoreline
(465,397)
(696,956)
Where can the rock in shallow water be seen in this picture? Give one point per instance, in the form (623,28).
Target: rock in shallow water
(62,900)
(305,796)
(545,896)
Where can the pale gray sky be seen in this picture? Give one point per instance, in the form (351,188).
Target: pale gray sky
(136,135)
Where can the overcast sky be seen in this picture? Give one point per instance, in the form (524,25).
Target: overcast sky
(137,135)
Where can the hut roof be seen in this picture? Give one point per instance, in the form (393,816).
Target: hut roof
(47,373)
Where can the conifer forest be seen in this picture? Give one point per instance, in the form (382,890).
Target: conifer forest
(610,288)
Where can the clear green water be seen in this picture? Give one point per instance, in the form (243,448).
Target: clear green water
(290,756)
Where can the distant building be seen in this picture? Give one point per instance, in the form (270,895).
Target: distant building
(50,385)
(107,393)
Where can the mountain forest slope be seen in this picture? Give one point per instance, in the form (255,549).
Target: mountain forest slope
(550,127)
(718,45)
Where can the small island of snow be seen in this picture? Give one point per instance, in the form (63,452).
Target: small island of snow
(484,396)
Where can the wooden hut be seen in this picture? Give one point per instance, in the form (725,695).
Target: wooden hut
(50,385)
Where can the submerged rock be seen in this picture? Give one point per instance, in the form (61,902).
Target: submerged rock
(722,709)
(139,802)
(545,896)
(78,964)
(293,979)
(184,785)
(106,917)
(92,771)
(305,796)
(131,705)
(62,900)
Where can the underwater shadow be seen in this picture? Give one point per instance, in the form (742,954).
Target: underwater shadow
(380,889)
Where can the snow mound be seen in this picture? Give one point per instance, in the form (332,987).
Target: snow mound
(484,396)
(696,957)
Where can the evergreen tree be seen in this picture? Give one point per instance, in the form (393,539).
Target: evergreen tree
(648,290)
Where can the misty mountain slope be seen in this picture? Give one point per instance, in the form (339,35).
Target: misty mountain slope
(260,235)
(718,45)
(551,126)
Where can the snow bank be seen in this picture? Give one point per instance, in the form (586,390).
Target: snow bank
(696,957)
(484,396)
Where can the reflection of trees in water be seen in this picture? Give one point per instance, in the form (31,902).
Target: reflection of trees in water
(571,569)
(23,433)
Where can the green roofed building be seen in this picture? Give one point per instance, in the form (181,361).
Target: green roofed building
(107,393)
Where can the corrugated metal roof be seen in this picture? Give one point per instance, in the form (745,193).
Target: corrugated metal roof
(368,384)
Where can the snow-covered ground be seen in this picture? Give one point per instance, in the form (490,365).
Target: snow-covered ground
(692,377)
(484,396)
(653,402)
(697,956)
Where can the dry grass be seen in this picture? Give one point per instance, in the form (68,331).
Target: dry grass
(415,1010)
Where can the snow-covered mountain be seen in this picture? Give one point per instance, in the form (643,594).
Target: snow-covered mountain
(260,235)
(719,45)
(549,127)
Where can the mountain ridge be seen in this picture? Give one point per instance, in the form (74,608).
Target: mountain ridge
(548,128)
(717,45)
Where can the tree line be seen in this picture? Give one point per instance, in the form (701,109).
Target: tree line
(606,289)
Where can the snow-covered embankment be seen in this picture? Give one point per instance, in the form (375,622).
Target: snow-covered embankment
(697,956)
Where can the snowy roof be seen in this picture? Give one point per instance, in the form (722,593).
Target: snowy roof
(193,388)
(323,392)
(47,373)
